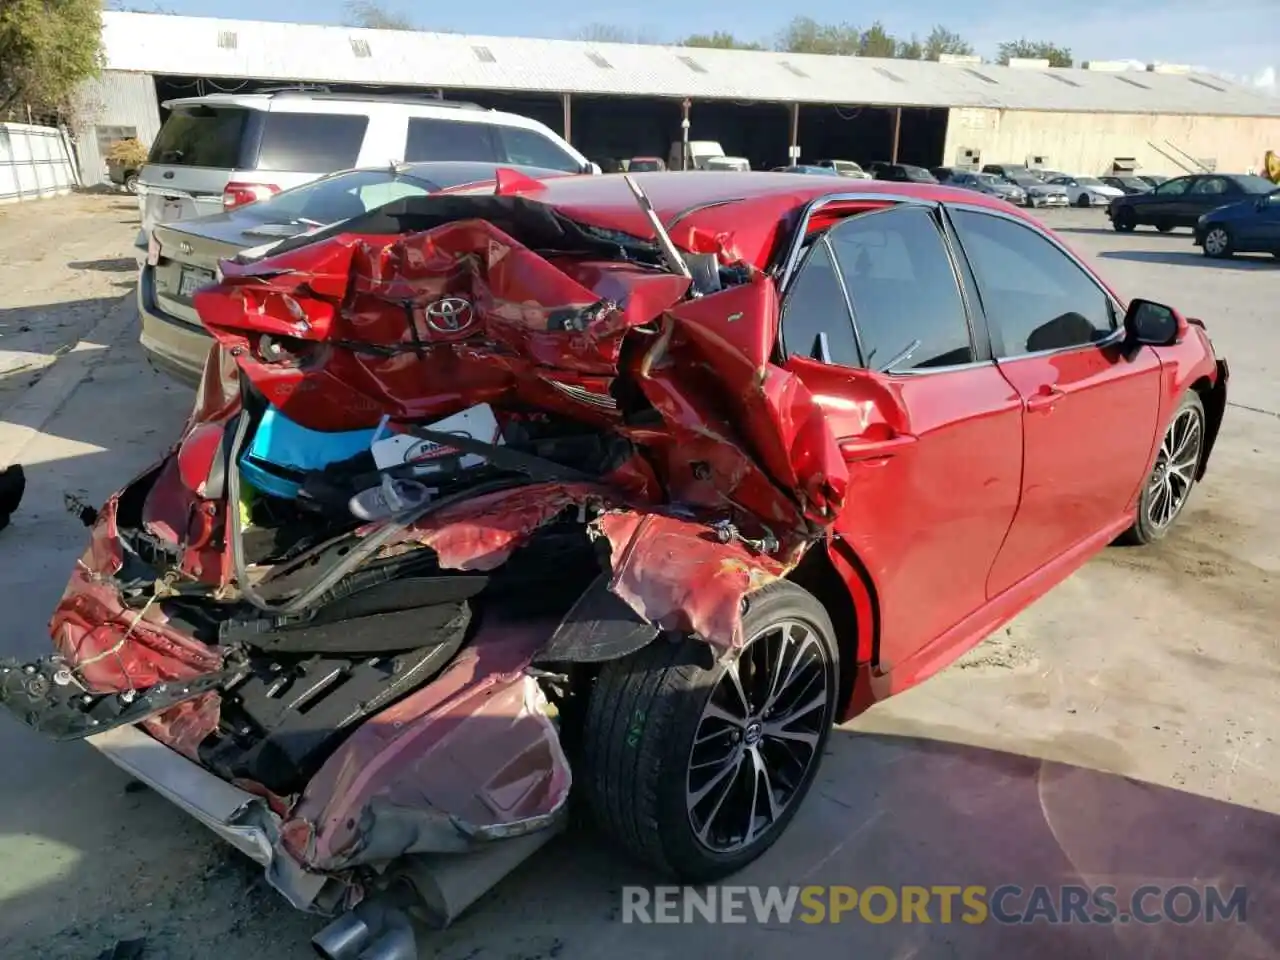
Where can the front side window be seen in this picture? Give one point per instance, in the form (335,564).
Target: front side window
(1035,296)
(1173,188)
(907,306)
(531,149)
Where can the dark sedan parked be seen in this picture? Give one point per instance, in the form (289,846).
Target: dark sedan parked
(1246,226)
(1181,202)
(900,173)
(1130,185)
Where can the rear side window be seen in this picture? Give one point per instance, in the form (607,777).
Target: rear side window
(200,136)
(311,142)
(532,149)
(432,139)
(906,302)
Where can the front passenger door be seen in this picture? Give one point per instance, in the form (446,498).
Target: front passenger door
(875,324)
(1090,413)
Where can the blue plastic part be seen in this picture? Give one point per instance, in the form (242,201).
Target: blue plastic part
(282,445)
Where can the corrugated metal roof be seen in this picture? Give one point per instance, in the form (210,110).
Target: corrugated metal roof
(206,47)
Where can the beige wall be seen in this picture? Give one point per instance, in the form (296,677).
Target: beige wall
(1086,143)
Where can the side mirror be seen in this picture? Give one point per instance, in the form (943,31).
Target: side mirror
(1147,323)
(593,168)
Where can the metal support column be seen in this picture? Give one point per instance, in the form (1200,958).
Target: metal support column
(685,106)
(794,150)
(897,131)
(566,106)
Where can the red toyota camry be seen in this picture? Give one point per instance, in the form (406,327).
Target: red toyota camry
(628,485)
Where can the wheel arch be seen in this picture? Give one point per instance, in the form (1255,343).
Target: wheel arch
(836,576)
(1213,396)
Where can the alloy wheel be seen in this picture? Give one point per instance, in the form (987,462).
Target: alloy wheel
(1175,469)
(758,737)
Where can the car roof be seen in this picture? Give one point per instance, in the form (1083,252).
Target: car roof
(747,207)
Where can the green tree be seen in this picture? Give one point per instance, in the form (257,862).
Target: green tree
(806,35)
(876,41)
(372,15)
(942,41)
(1035,50)
(47,49)
(719,40)
(911,49)
(612,33)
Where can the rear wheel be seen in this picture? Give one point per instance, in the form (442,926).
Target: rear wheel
(131,182)
(1123,220)
(1164,226)
(1217,242)
(1082,200)
(1169,485)
(697,771)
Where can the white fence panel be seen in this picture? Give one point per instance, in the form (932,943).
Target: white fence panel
(35,162)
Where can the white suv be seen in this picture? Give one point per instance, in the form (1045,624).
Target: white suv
(219,151)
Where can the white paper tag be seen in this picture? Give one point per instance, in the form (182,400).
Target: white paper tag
(476,422)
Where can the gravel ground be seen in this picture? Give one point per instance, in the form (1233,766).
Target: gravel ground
(1121,730)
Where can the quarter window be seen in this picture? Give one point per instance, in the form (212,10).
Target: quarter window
(907,307)
(816,305)
(1035,296)
(311,142)
(432,139)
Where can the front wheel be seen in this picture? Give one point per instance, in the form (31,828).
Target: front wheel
(131,182)
(697,771)
(1169,485)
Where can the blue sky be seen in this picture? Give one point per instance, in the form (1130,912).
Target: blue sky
(1239,38)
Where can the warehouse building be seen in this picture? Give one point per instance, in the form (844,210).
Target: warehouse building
(621,100)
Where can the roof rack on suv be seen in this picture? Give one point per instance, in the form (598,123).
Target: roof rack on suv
(324,93)
(295,88)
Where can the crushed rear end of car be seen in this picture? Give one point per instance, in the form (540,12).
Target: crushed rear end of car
(443,459)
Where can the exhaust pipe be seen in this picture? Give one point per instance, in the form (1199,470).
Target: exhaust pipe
(372,931)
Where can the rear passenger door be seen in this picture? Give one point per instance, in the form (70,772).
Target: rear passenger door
(876,324)
(432,138)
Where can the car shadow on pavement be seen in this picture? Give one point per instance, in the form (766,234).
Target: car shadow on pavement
(107,265)
(1186,258)
(30,336)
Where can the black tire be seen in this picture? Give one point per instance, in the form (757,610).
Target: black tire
(131,182)
(645,711)
(1124,220)
(1082,200)
(1164,226)
(1218,249)
(1146,528)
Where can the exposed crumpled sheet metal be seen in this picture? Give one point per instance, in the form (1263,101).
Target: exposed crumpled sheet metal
(471,752)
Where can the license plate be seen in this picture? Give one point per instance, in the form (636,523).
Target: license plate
(191,280)
(170,210)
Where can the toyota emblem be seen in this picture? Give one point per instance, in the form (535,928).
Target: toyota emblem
(450,315)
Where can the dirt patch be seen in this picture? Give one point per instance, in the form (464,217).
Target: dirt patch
(64,263)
